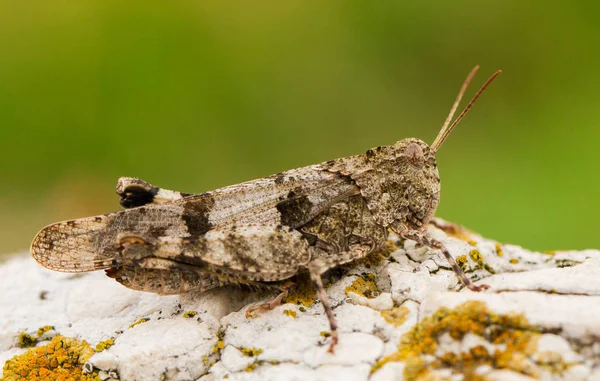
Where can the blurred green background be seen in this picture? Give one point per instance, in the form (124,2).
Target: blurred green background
(198,95)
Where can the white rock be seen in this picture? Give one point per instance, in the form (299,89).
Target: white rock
(92,307)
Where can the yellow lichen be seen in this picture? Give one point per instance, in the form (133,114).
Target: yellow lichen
(44,329)
(472,242)
(189,314)
(515,337)
(325,333)
(26,340)
(514,261)
(364,286)
(61,359)
(251,367)
(476,257)
(395,316)
(290,313)
(220,344)
(251,352)
(302,293)
(499,250)
(374,258)
(103,345)
(461,260)
(142,320)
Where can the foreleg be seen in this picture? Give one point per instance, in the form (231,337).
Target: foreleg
(420,237)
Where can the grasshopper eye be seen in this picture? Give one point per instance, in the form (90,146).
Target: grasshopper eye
(414,154)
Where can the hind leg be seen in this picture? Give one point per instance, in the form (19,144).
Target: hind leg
(318,267)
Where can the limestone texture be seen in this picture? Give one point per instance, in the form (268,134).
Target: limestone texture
(402,314)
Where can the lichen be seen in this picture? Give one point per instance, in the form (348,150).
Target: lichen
(514,261)
(290,313)
(325,333)
(251,367)
(302,293)
(61,359)
(499,251)
(251,352)
(476,257)
(365,286)
(396,315)
(189,314)
(26,340)
(220,344)
(104,345)
(472,242)
(375,258)
(42,330)
(461,260)
(514,337)
(142,320)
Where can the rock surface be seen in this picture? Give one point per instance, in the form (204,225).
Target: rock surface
(400,317)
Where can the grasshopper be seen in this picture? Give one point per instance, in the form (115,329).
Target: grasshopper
(261,232)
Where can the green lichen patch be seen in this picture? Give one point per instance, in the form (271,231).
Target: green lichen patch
(396,315)
(189,314)
(61,359)
(251,352)
(290,313)
(142,320)
(365,286)
(514,338)
(302,293)
(104,345)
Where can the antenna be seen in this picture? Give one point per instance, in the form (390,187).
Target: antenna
(447,127)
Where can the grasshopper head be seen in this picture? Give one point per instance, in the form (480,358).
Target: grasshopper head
(400,183)
(417,167)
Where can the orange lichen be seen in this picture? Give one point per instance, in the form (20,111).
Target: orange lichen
(61,359)
(418,347)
